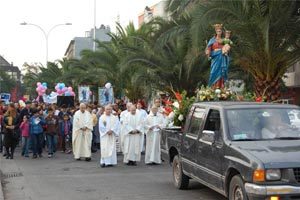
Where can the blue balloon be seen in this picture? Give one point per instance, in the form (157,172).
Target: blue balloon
(44,84)
(61,86)
(67,93)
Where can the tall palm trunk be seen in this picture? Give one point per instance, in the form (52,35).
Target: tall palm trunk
(267,88)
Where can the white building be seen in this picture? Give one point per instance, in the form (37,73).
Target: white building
(81,43)
(157,10)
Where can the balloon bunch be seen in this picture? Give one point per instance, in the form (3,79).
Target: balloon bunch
(61,89)
(41,88)
(70,92)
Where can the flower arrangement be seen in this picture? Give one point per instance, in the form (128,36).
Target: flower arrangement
(251,96)
(181,107)
(209,94)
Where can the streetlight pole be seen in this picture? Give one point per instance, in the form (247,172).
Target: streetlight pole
(94,36)
(46,34)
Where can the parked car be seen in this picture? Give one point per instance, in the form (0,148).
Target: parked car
(241,150)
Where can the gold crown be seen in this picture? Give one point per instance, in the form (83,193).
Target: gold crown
(218,26)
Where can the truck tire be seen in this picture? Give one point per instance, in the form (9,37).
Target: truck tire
(181,181)
(236,189)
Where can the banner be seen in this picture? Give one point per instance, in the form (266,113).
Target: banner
(5,97)
(84,94)
(50,99)
(106,96)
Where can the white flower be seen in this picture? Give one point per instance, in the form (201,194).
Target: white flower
(176,104)
(180,117)
(217,91)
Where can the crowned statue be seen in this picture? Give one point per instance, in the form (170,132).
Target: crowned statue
(217,51)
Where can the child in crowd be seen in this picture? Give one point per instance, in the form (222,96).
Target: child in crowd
(24,127)
(51,131)
(66,133)
(36,132)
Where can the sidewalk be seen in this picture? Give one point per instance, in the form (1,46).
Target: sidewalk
(1,190)
(13,185)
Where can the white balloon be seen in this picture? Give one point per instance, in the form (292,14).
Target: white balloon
(108,85)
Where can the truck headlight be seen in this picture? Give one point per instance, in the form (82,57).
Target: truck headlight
(273,174)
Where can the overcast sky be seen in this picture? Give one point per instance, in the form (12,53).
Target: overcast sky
(19,44)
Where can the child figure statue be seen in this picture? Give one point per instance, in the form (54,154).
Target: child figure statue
(227,43)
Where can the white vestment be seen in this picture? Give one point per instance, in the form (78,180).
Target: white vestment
(153,138)
(133,142)
(82,140)
(123,116)
(143,114)
(108,142)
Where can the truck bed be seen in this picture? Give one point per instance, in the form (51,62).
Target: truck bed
(170,137)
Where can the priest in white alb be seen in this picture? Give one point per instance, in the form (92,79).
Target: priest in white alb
(140,111)
(123,116)
(82,134)
(133,134)
(153,125)
(109,128)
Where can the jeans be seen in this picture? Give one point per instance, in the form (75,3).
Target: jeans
(25,145)
(51,144)
(37,143)
(1,142)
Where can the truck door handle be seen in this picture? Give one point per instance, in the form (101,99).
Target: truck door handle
(185,143)
(218,146)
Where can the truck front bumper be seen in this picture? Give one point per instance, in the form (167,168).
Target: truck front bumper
(272,190)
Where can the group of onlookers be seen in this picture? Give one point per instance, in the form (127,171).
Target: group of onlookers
(34,126)
(83,129)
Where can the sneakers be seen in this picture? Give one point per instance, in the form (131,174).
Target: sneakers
(50,155)
(34,156)
(68,151)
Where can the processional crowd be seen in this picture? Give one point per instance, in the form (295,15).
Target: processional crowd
(82,130)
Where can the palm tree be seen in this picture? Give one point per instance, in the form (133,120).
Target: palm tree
(267,37)
(168,57)
(179,8)
(105,64)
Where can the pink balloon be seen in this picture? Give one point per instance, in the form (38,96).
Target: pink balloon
(65,89)
(70,89)
(38,84)
(60,92)
(37,89)
(40,93)
(72,93)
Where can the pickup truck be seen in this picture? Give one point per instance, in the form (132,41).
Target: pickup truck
(243,150)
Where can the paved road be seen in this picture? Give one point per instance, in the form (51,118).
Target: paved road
(64,178)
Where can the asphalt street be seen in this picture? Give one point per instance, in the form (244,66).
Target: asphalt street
(61,177)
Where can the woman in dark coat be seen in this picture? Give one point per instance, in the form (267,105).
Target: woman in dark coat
(10,125)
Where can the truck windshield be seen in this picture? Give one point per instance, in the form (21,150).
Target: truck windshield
(263,124)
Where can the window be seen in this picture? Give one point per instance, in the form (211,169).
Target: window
(213,123)
(196,121)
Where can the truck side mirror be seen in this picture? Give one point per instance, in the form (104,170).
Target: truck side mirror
(208,137)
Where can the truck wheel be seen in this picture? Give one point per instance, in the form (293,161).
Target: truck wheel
(236,189)
(181,181)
